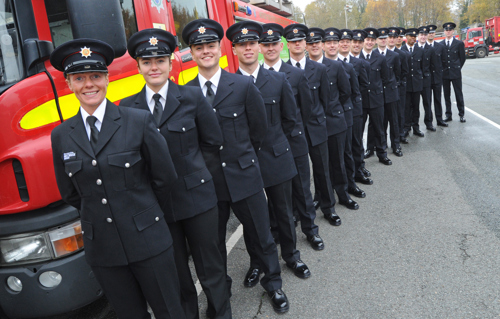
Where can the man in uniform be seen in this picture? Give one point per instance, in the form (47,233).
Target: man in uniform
(340,92)
(241,113)
(428,64)
(352,106)
(190,127)
(437,74)
(374,108)
(414,83)
(271,47)
(400,39)
(452,74)
(113,165)
(316,133)
(275,155)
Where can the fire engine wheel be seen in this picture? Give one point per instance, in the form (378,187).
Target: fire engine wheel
(481,53)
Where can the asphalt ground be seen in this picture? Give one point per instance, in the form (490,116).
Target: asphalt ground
(425,242)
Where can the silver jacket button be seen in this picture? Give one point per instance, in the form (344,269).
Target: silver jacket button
(221,147)
(127,165)
(109,220)
(99,182)
(70,174)
(223,164)
(94,163)
(104,201)
(184,129)
(157,218)
(235,115)
(202,181)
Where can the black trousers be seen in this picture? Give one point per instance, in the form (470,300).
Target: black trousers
(457,87)
(358,151)
(401,109)
(336,147)
(280,198)
(377,120)
(391,117)
(130,288)
(201,233)
(438,107)
(321,176)
(253,215)
(426,101)
(412,111)
(349,158)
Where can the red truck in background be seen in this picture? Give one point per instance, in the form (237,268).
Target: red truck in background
(42,259)
(480,41)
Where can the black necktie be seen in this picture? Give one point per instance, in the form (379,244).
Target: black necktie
(368,56)
(158,111)
(253,78)
(271,69)
(297,64)
(411,50)
(345,60)
(210,93)
(383,53)
(94,132)
(448,43)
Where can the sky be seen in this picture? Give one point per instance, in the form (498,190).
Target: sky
(301,3)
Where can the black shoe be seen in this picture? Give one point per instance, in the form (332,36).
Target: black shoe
(407,133)
(279,301)
(369,153)
(442,123)
(418,133)
(299,269)
(366,172)
(398,152)
(385,161)
(403,140)
(363,180)
(252,277)
(431,128)
(356,192)
(316,204)
(349,204)
(462,119)
(316,242)
(333,219)
(448,119)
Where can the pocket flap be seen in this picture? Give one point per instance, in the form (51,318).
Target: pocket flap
(73,167)
(296,132)
(320,119)
(197,178)
(232,111)
(281,148)
(125,159)
(181,126)
(247,160)
(272,100)
(87,229)
(148,217)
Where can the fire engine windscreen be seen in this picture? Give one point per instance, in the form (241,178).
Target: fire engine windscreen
(10,58)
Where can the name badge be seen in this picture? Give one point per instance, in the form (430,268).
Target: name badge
(69,155)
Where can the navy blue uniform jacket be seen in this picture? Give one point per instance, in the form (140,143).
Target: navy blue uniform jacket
(415,78)
(379,77)
(340,92)
(454,60)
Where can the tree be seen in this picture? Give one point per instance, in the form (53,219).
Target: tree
(480,10)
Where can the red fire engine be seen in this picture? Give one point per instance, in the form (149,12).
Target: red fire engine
(480,41)
(42,264)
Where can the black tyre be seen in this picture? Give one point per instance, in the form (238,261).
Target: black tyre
(481,53)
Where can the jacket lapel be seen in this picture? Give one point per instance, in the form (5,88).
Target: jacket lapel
(309,68)
(224,88)
(79,134)
(262,78)
(172,103)
(140,101)
(287,71)
(110,125)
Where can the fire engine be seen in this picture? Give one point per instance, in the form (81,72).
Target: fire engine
(42,263)
(480,41)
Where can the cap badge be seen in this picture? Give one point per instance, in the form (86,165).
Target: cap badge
(202,30)
(244,31)
(312,34)
(153,41)
(383,32)
(448,26)
(295,31)
(269,32)
(85,52)
(371,32)
(345,33)
(359,34)
(425,29)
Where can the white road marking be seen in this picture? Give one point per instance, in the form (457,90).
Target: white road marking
(229,246)
(483,118)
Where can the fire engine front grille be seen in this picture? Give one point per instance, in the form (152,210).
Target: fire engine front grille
(21,180)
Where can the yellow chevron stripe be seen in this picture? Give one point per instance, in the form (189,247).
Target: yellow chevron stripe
(117,90)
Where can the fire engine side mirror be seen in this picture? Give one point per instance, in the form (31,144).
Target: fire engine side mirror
(98,19)
(36,51)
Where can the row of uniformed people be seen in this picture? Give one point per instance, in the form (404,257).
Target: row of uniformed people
(230,138)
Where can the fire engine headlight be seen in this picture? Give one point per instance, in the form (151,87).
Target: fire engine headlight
(14,284)
(24,249)
(50,279)
(67,239)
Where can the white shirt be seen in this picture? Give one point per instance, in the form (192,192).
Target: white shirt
(215,82)
(366,53)
(431,43)
(276,66)
(302,62)
(320,60)
(98,113)
(384,51)
(394,48)
(356,56)
(341,57)
(421,45)
(163,99)
(450,41)
(255,73)
(410,47)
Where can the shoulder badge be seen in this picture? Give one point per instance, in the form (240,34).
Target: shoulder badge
(153,41)
(85,52)
(202,30)
(244,31)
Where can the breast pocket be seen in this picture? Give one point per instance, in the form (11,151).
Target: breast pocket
(125,169)
(234,123)
(183,136)
(314,86)
(74,171)
(273,110)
